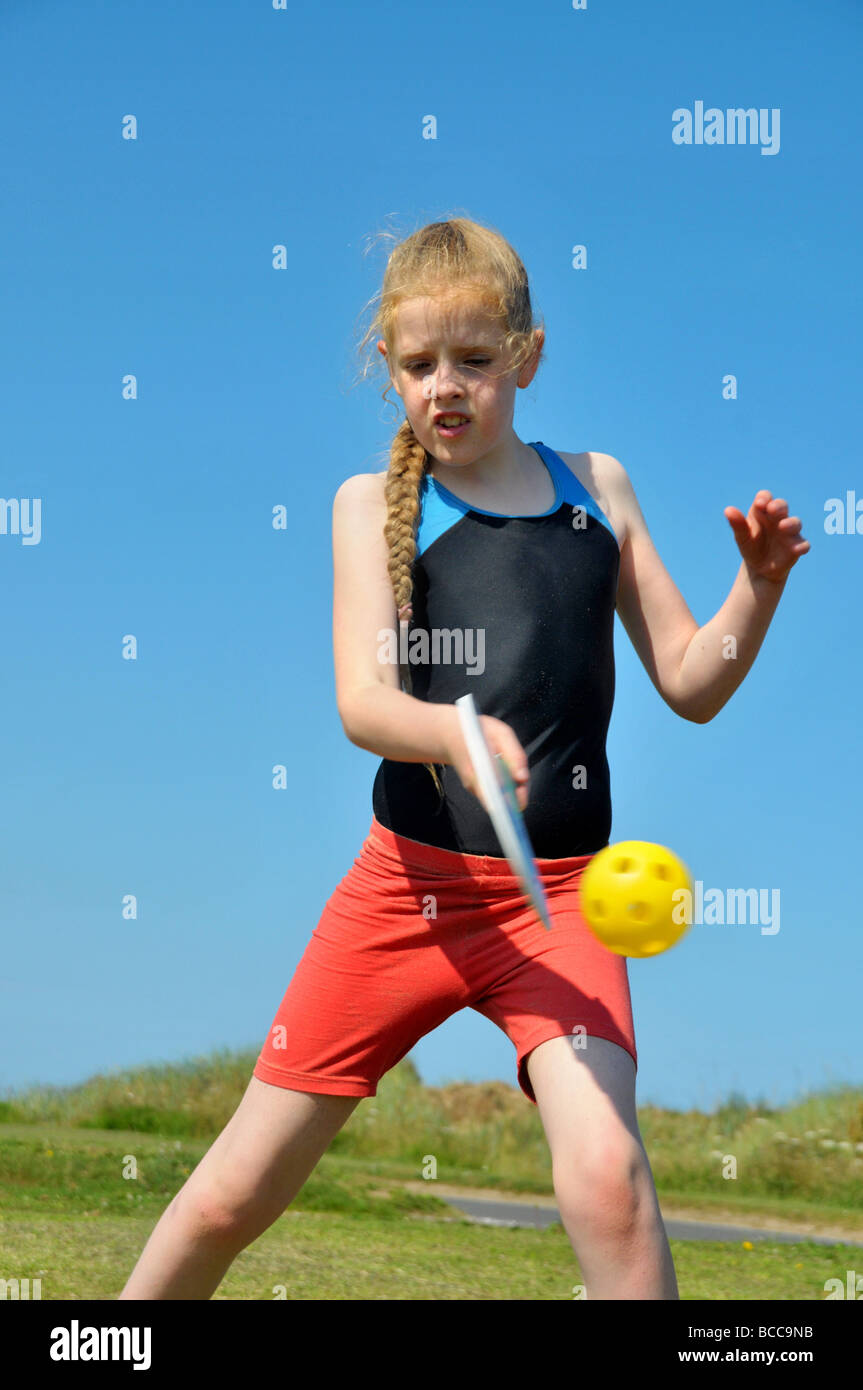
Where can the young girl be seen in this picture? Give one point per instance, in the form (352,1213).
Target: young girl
(502,564)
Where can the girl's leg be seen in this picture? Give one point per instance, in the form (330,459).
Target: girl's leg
(602,1178)
(240,1187)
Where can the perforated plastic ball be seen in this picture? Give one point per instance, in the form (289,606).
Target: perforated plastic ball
(627,898)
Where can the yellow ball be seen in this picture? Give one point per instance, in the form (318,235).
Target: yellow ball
(628,898)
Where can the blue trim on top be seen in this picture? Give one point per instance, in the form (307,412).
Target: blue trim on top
(515,516)
(572,489)
(438,503)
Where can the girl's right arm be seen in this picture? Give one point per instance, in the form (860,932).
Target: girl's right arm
(376,713)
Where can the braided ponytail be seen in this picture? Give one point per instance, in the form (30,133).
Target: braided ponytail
(408,462)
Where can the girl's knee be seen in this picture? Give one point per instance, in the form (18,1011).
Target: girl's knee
(609,1185)
(222,1216)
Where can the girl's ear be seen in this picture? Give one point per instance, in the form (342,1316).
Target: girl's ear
(382,349)
(528,371)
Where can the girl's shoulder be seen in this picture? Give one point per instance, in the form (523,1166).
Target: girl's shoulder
(604,477)
(360,504)
(366,488)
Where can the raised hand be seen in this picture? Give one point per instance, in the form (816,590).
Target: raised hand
(769,540)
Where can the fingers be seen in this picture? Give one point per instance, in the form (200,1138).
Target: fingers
(774,509)
(503,740)
(516,760)
(788,525)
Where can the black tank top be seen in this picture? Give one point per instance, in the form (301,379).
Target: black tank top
(518,610)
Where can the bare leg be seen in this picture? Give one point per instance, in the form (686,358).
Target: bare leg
(602,1178)
(244,1182)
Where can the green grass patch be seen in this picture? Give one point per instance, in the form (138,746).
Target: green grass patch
(86,1171)
(334,1256)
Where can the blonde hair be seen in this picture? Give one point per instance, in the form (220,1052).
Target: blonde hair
(456,258)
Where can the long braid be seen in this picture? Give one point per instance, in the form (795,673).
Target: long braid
(408,462)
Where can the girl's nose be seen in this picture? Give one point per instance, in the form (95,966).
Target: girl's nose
(436,384)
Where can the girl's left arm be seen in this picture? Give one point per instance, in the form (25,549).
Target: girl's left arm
(697,669)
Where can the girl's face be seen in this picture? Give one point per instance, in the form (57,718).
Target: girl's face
(448,360)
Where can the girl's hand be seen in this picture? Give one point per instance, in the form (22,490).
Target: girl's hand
(500,739)
(768,538)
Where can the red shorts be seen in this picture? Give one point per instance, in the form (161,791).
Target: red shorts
(414,933)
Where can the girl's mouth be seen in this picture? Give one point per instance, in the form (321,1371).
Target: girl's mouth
(450,426)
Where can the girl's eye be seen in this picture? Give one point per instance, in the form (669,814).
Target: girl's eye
(475,361)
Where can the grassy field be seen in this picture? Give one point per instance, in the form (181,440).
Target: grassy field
(70,1217)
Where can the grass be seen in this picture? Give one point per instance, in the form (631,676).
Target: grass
(332,1256)
(74,1215)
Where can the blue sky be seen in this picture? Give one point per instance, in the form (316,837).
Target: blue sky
(259,127)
